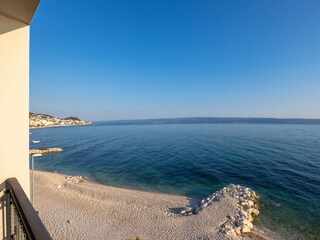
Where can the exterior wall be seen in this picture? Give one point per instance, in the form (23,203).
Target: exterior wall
(14,101)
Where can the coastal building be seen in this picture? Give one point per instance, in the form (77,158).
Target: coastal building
(17,213)
(15,19)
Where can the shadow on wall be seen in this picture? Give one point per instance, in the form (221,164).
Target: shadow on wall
(9,24)
(16,14)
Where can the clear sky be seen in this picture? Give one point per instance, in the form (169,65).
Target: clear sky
(134,59)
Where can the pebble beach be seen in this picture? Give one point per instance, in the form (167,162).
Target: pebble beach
(75,208)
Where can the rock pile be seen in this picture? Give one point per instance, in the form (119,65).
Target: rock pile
(248,208)
(74,179)
(44,150)
(241,220)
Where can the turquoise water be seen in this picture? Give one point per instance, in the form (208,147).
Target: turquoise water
(280,162)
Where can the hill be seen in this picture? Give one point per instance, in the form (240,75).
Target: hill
(40,120)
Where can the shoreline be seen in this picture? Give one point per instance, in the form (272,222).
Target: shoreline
(55,126)
(87,207)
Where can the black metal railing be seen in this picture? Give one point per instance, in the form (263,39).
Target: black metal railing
(19,218)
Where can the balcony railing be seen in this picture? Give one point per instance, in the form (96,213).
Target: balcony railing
(19,219)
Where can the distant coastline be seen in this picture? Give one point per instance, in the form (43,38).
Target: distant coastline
(203,120)
(40,120)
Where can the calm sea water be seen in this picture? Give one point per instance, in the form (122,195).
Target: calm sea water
(280,162)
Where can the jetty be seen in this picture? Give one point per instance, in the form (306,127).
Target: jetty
(44,150)
(241,220)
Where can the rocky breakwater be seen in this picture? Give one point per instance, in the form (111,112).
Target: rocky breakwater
(241,220)
(44,150)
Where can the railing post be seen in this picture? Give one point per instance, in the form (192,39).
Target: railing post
(8,211)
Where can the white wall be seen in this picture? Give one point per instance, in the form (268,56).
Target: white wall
(14,101)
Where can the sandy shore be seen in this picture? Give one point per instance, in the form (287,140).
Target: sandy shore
(89,210)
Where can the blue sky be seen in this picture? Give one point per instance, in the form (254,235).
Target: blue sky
(104,60)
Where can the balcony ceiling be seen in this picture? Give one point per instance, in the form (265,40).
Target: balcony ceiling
(20,10)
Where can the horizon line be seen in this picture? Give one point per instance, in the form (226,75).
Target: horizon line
(230,118)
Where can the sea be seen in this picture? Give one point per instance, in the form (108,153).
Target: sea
(281,162)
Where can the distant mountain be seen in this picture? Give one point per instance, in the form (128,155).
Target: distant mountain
(202,120)
(40,120)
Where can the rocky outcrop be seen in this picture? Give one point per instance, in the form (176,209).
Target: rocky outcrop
(44,120)
(241,220)
(45,150)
